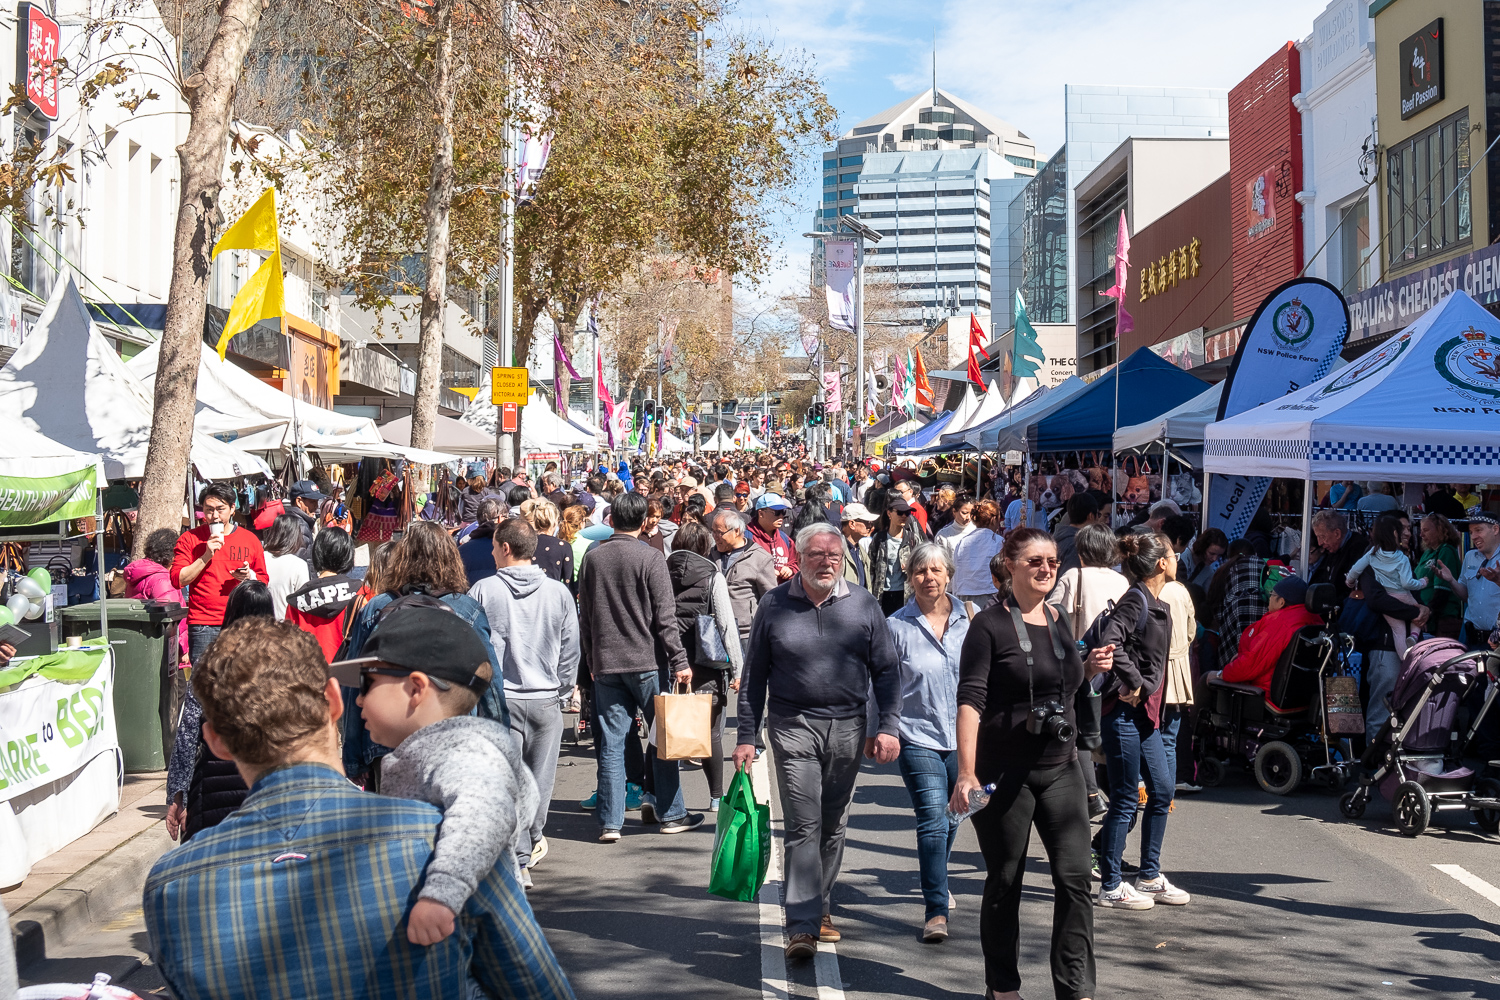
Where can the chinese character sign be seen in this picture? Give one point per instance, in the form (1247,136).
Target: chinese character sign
(43,39)
(1175,267)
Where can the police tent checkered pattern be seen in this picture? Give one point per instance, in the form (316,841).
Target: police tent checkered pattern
(1424,406)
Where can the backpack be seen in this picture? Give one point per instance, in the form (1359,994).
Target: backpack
(1094,637)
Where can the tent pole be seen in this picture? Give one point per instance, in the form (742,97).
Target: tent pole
(1307,498)
(1203,507)
(99,562)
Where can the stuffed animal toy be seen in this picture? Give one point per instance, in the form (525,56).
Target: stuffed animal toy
(1138,484)
(1184,490)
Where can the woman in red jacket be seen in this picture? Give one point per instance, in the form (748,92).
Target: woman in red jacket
(1261,644)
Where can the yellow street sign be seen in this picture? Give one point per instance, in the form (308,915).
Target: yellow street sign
(509,385)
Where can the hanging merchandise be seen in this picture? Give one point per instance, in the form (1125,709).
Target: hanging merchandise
(384,483)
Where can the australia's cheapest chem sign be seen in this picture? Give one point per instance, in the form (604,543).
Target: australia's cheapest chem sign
(50,729)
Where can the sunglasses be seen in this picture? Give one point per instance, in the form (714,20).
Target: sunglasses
(365,673)
(1037,562)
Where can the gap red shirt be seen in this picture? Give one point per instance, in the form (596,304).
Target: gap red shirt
(209,594)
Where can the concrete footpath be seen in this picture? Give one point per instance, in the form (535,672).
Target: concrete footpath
(92,879)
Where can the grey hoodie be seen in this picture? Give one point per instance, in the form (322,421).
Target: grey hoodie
(471,769)
(534,629)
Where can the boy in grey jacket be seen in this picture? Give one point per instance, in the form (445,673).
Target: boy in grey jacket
(534,629)
(422,672)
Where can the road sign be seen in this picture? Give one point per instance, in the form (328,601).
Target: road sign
(508,420)
(509,385)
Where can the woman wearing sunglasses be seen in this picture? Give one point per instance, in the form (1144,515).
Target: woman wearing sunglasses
(1019,672)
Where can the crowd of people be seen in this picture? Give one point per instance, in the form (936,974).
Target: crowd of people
(367,754)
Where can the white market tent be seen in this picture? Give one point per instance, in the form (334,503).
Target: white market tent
(1180,428)
(1007,432)
(67,383)
(449,435)
(719,442)
(671,444)
(1419,408)
(541,429)
(990,406)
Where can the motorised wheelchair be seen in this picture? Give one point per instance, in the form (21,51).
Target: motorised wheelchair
(1294,730)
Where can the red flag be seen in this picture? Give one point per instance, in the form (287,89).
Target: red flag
(924,387)
(976,346)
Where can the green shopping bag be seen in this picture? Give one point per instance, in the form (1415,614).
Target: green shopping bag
(742,845)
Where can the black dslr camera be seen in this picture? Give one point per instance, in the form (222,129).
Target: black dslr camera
(1047,719)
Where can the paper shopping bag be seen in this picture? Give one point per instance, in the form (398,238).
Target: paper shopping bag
(683,725)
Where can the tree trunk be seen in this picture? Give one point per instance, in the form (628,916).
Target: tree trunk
(210,92)
(437,210)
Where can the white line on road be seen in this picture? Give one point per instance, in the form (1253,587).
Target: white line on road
(1471,880)
(826,967)
(773,982)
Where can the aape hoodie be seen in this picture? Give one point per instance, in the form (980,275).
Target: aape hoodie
(319,608)
(534,629)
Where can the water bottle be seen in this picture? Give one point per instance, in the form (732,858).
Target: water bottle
(978,799)
(1356,663)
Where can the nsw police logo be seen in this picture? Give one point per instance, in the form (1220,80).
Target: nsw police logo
(1471,361)
(1365,368)
(1292,323)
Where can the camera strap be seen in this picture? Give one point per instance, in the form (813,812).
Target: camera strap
(1023,637)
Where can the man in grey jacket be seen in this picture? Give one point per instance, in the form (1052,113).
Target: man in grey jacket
(534,629)
(817,649)
(748,569)
(628,620)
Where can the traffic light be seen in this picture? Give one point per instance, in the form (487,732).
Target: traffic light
(661,415)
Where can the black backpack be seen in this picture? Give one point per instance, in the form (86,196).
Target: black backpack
(1093,637)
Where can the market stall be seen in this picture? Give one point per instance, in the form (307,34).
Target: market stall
(541,429)
(990,406)
(67,383)
(60,763)
(1007,432)
(448,435)
(1142,387)
(1178,432)
(921,438)
(1420,408)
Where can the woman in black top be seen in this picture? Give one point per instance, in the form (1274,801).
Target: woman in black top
(1136,747)
(1036,774)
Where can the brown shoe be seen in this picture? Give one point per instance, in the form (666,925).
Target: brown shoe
(935,931)
(828,932)
(801,946)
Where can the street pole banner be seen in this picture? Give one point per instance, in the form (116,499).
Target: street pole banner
(833,393)
(839,283)
(50,729)
(1294,339)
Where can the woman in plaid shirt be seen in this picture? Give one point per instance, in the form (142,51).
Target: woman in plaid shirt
(1235,600)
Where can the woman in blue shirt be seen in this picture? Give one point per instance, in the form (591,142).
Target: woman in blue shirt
(929,633)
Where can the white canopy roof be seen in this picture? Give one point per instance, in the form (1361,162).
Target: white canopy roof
(448,434)
(541,429)
(1007,431)
(991,405)
(67,383)
(965,408)
(1183,424)
(29,454)
(671,444)
(1419,408)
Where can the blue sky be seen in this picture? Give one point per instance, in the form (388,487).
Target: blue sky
(1009,58)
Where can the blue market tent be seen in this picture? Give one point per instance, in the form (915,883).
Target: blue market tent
(1149,387)
(1007,432)
(924,435)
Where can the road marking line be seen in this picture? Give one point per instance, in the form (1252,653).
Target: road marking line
(826,967)
(1471,880)
(773,981)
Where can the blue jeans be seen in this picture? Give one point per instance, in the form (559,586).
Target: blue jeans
(930,776)
(1135,749)
(200,637)
(616,699)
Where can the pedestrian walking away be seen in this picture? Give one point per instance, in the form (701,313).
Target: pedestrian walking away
(818,648)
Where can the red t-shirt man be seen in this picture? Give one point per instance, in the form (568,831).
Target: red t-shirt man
(211,567)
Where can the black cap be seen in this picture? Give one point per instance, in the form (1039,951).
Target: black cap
(899,504)
(434,641)
(306,489)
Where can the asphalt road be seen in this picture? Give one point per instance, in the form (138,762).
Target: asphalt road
(1289,900)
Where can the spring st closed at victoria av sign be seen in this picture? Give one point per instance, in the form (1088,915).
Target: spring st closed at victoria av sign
(509,385)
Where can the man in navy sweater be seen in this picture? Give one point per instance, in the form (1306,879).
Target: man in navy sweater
(817,648)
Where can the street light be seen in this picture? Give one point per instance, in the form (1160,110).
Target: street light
(862,234)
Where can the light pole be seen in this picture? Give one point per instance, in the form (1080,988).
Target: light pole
(862,234)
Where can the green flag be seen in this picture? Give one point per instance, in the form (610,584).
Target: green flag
(1028,350)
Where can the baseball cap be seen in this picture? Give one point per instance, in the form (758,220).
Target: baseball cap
(688,481)
(897,503)
(432,640)
(306,489)
(1291,589)
(772,501)
(586,500)
(1167,505)
(475,469)
(859,512)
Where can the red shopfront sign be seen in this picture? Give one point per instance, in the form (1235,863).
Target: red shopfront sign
(38,45)
(1265,174)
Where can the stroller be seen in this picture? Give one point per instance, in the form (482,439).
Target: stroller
(1416,759)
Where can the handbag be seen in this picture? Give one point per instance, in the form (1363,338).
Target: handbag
(711,651)
(683,726)
(742,843)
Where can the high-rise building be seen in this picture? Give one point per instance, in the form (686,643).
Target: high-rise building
(923,173)
(1097,120)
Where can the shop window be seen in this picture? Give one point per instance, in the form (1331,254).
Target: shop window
(1354,247)
(1427,190)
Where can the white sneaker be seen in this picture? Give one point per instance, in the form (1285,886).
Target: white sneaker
(1188,787)
(1125,898)
(1162,891)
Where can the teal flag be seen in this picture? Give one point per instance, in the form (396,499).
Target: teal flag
(1028,354)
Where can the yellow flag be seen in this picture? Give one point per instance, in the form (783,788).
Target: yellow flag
(255,230)
(259,298)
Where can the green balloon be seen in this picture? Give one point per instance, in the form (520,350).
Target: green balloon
(42,577)
(6,618)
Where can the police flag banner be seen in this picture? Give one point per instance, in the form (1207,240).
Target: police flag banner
(839,268)
(1293,340)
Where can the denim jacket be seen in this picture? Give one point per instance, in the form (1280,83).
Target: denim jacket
(359,750)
